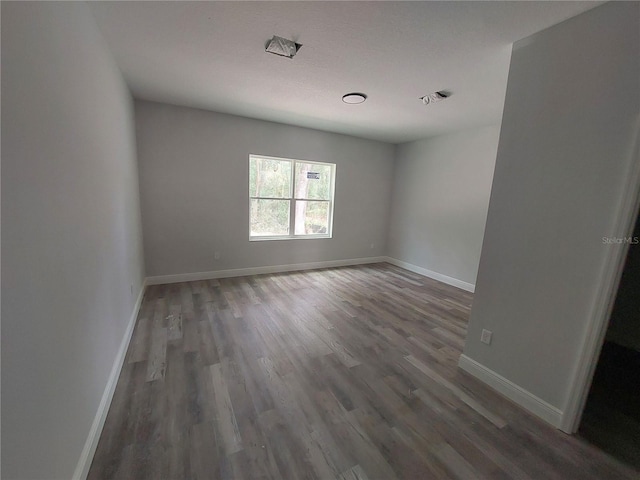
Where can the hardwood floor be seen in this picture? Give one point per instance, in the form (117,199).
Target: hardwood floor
(347,373)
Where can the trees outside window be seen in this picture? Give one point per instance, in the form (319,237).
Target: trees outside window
(290,198)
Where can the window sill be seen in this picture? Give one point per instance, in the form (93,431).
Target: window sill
(289,237)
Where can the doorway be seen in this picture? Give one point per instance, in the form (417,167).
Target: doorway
(611,418)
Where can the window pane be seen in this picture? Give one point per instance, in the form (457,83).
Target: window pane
(269,217)
(313,181)
(269,178)
(312,218)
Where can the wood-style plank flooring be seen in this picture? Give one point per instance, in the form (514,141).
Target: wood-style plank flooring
(347,373)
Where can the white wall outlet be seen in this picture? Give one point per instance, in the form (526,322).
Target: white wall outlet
(373,246)
(216,255)
(486,336)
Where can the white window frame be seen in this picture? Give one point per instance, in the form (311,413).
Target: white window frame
(292,201)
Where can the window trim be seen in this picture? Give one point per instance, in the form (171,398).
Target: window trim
(292,201)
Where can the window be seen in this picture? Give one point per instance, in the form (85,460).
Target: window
(290,198)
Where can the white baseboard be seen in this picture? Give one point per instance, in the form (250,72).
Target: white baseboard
(86,457)
(469,287)
(514,392)
(242,272)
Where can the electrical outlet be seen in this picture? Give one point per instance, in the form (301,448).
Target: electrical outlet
(131,288)
(486,336)
(373,245)
(216,255)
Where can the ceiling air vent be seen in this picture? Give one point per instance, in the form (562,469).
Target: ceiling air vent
(282,46)
(435,97)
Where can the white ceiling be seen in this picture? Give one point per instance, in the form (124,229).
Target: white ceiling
(211,55)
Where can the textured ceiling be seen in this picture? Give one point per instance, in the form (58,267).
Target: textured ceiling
(211,55)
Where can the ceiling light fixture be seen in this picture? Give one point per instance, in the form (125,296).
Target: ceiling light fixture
(354,98)
(435,97)
(282,46)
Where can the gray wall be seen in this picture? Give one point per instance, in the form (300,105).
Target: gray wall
(71,234)
(572,101)
(194,190)
(440,201)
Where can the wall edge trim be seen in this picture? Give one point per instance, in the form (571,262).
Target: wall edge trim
(469,287)
(609,282)
(512,391)
(242,272)
(91,443)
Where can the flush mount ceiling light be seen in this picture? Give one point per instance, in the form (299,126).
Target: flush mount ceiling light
(282,46)
(354,98)
(435,97)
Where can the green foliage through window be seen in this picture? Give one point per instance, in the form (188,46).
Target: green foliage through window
(290,198)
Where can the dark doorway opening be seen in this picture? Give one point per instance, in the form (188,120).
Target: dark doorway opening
(611,419)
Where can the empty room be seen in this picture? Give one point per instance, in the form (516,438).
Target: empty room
(322,240)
